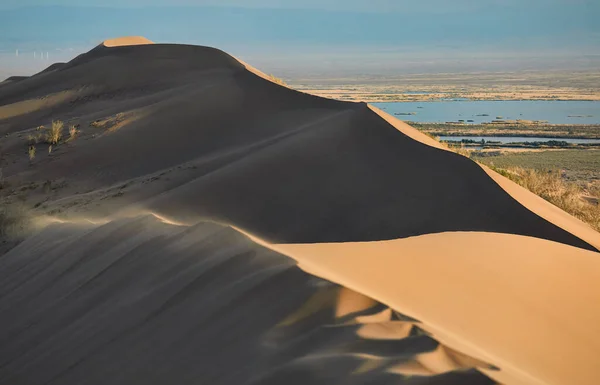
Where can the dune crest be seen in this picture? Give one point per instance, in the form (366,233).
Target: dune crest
(126,40)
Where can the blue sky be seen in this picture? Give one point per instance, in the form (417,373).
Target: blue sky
(313,36)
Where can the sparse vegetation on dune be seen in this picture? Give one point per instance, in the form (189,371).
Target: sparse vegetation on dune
(73,131)
(55,133)
(277,80)
(52,136)
(31,152)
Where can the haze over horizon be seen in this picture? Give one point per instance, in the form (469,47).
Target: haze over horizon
(318,38)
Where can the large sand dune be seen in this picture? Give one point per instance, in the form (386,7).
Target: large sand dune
(432,269)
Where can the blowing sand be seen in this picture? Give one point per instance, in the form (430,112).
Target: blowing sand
(372,254)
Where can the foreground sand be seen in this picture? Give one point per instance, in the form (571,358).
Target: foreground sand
(169,304)
(512,304)
(419,265)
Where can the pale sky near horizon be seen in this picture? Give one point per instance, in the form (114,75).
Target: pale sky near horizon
(313,36)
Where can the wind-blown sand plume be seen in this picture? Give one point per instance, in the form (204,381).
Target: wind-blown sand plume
(206,225)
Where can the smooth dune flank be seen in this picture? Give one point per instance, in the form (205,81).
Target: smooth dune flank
(197,223)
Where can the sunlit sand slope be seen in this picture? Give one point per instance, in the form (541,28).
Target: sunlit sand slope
(524,304)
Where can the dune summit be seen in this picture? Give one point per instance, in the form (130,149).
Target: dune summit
(126,40)
(207,225)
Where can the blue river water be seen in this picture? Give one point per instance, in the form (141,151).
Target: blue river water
(476,112)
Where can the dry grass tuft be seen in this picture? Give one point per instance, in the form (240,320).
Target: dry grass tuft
(73,131)
(277,80)
(31,152)
(551,186)
(54,133)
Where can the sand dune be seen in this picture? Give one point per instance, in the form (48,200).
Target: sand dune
(210,226)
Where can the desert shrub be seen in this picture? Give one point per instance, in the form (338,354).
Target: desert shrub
(31,152)
(54,133)
(73,131)
(277,80)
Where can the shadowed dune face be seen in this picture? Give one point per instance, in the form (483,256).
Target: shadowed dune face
(287,166)
(410,241)
(138,300)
